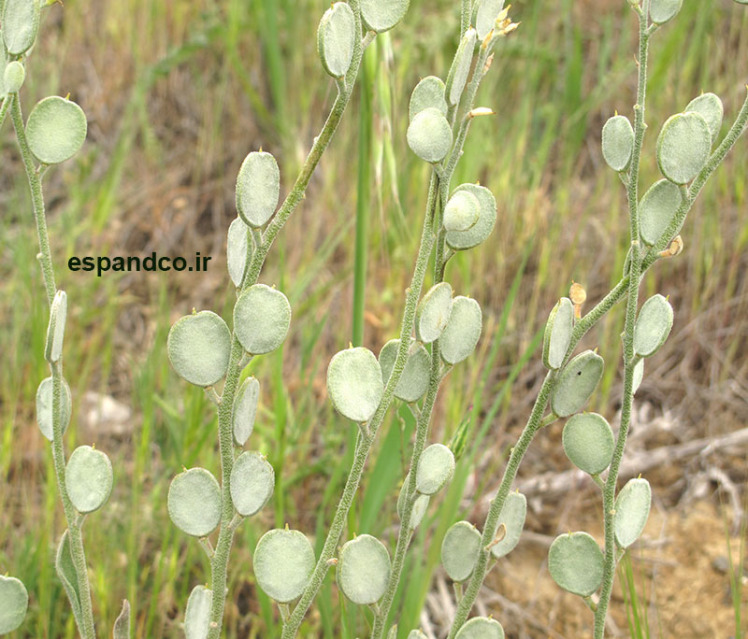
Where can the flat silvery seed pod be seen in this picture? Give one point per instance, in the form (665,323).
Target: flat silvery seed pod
(657,210)
(14,76)
(461,212)
(416,634)
(363,569)
(433,312)
(683,146)
(618,142)
(194,502)
(44,396)
(420,505)
(575,562)
(245,409)
(429,93)
(121,629)
(632,511)
(20,22)
(429,135)
(652,326)
(462,332)
(88,479)
(513,515)
(252,483)
(257,188)
(354,383)
(588,442)
(414,382)
(336,35)
(557,335)
(435,469)
(462,240)
(458,73)
(3,64)
(711,108)
(199,347)
(638,374)
(197,615)
(481,628)
(56,328)
(382,15)
(576,383)
(14,602)
(56,129)
(236,250)
(485,18)
(460,549)
(663,10)
(283,562)
(262,316)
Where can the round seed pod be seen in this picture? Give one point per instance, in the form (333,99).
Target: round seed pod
(588,442)
(460,549)
(657,210)
(56,129)
(354,383)
(435,469)
(513,516)
(429,135)
(414,382)
(14,75)
(363,569)
(461,212)
(262,317)
(652,326)
(632,511)
(462,332)
(660,11)
(415,634)
(252,482)
(638,374)
(433,312)
(557,335)
(44,399)
(575,562)
(257,188)
(194,502)
(199,347)
(20,22)
(683,146)
(481,628)
(576,383)
(14,603)
(335,39)
(197,615)
(428,93)
(458,73)
(485,16)
(712,110)
(88,479)
(244,410)
(382,15)
(56,327)
(462,240)
(236,250)
(420,505)
(618,142)
(283,562)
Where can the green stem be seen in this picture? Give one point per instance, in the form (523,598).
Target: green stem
(465,12)
(4,109)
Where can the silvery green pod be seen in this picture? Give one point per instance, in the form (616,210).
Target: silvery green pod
(415,634)
(428,93)
(462,332)
(336,36)
(435,469)
(88,479)
(252,482)
(632,511)
(460,548)
(711,108)
(658,209)
(485,16)
(283,562)
(20,20)
(458,73)
(576,383)
(354,383)
(481,628)
(478,232)
(56,129)
(588,442)
(429,135)
(414,381)
(14,602)
(363,569)
(420,505)
(558,330)
(121,628)
(197,615)
(652,325)
(257,188)
(245,409)
(14,75)
(683,146)
(433,312)
(512,518)
(44,404)
(575,562)
(194,502)
(461,212)
(660,11)
(199,346)
(262,317)
(3,64)
(382,15)
(618,142)
(56,328)
(236,250)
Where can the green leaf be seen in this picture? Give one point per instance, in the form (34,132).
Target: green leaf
(428,93)
(88,479)
(199,347)
(382,15)
(283,562)
(252,482)
(420,505)
(68,575)
(461,212)
(557,335)
(463,330)
(244,410)
(414,381)
(336,36)
(121,628)
(194,502)
(462,240)
(460,549)
(513,515)
(236,250)
(262,317)
(433,312)
(435,469)
(657,210)
(20,22)
(575,562)
(481,628)
(354,383)
(14,602)
(44,397)
(632,511)
(618,142)
(363,569)
(429,135)
(683,146)
(711,108)
(588,442)
(56,129)
(458,73)
(257,188)
(576,383)
(660,11)
(652,325)
(56,327)
(197,615)
(485,18)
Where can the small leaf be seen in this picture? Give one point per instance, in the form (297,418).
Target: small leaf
(414,381)
(433,312)
(485,18)
(67,574)
(20,22)
(245,409)
(420,505)
(44,401)
(461,212)
(458,73)
(576,383)
(14,602)
(354,383)
(652,326)
(481,628)
(236,250)
(382,15)
(711,108)
(257,188)
(557,335)
(88,479)
(252,483)
(283,562)
(460,549)
(463,330)
(262,316)
(197,615)
(435,469)
(588,442)
(683,146)
(56,328)
(429,135)
(56,129)
(618,142)
(363,569)
(336,35)
(462,240)
(663,10)
(199,347)
(575,562)
(194,502)
(657,210)
(632,511)
(14,75)
(638,374)
(429,93)
(513,515)
(121,628)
